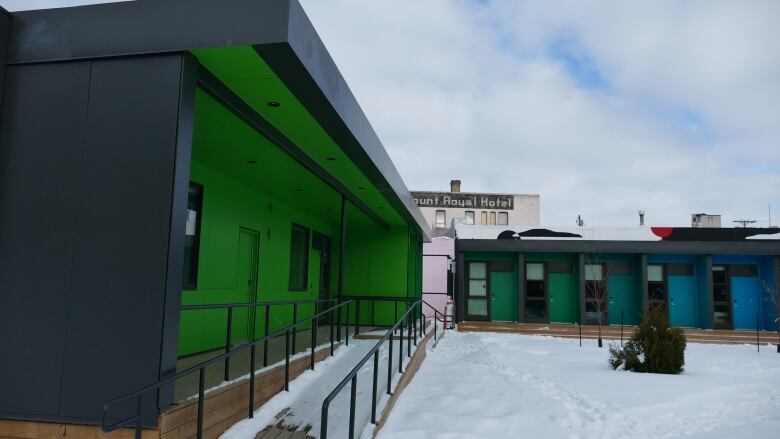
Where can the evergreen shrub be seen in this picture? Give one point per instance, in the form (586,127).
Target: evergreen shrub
(654,348)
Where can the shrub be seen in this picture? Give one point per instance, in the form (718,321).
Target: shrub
(654,347)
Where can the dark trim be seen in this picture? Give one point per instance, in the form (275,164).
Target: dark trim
(729,302)
(306,251)
(755,247)
(194,285)
(559,266)
(743,270)
(225,96)
(342,245)
(441,256)
(710,322)
(680,269)
(5,33)
(619,268)
(546,300)
(179,195)
(502,266)
(776,270)
(521,287)
(460,301)
(643,285)
(467,292)
(581,278)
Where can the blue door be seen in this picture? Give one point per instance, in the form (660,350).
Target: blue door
(682,301)
(744,295)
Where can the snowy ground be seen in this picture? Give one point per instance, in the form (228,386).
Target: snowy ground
(485,385)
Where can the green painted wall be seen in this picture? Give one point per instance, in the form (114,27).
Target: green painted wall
(228,206)
(562,288)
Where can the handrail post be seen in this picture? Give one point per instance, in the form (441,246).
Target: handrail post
(414,323)
(228,341)
(324,420)
(352,401)
(409,319)
(295,320)
(357,317)
(265,334)
(435,325)
(390,361)
(139,421)
(373,389)
(313,341)
(395,311)
(401,349)
(346,326)
(201,400)
(287,361)
(252,381)
(330,320)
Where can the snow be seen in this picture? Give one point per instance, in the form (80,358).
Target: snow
(483,385)
(307,392)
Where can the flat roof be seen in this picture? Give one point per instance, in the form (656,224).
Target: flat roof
(278,30)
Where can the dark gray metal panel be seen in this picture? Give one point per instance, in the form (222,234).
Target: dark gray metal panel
(776,269)
(181,179)
(679,269)
(41,130)
(754,247)
(709,321)
(743,270)
(114,330)
(521,287)
(619,268)
(460,304)
(5,31)
(643,284)
(581,278)
(145,27)
(559,267)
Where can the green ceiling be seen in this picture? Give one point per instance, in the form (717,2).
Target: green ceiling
(225,143)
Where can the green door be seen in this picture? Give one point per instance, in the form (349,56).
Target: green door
(502,293)
(563,298)
(246,284)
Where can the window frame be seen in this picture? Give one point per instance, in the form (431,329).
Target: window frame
(298,227)
(473,217)
(192,284)
(436,219)
(504,215)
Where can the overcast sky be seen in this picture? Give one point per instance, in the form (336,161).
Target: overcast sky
(603,108)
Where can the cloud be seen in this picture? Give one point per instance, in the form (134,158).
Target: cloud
(603,108)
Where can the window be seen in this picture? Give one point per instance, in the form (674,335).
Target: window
(441,219)
(483,218)
(535,293)
(469,217)
(492,218)
(721,296)
(503,219)
(476,305)
(596,294)
(192,236)
(299,258)
(656,287)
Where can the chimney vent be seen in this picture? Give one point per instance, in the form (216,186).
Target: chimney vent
(454,185)
(641,218)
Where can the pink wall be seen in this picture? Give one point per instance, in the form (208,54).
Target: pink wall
(435,272)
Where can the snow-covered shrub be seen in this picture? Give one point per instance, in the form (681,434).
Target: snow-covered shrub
(654,347)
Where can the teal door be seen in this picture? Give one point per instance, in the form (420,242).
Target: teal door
(744,295)
(682,301)
(622,299)
(246,285)
(502,296)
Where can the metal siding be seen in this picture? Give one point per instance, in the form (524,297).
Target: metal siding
(114,328)
(41,129)
(5,30)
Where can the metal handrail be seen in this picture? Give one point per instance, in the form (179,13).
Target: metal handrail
(396,299)
(267,305)
(137,419)
(411,320)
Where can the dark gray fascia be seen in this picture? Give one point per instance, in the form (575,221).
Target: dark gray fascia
(279,30)
(755,247)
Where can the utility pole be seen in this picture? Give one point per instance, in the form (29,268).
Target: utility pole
(745,222)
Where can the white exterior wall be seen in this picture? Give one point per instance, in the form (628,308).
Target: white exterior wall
(525,212)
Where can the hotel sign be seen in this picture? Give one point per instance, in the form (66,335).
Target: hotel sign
(464,200)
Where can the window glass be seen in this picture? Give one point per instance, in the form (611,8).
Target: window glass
(299,258)
(477,307)
(477,270)
(483,218)
(477,287)
(441,219)
(655,273)
(503,218)
(594,271)
(718,274)
(469,217)
(192,236)
(534,271)
(492,218)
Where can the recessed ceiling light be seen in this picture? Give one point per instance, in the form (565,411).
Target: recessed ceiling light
(330,159)
(298,189)
(251,162)
(361,188)
(273,104)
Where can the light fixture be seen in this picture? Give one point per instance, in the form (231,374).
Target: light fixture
(252,162)
(330,159)
(298,189)
(361,188)
(273,104)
